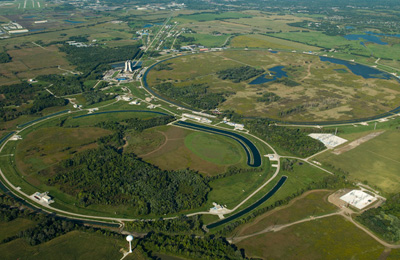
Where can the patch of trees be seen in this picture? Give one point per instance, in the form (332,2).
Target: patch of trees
(384,220)
(209,247)
(163,66)
(239,74)
(94,97)
(18,95)
(63,85)
(136,123)
(268,97)
(293,140)
(4,57)
(79,38)
(87,59)
(181,224)
(197,95)
(187,39)
(287,82)
(104,176)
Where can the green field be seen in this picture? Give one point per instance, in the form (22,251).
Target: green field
(375,161)
(12,228)
(73,245)
(202,17)
(312,203)
(209,40)
(313,91)
(327,238)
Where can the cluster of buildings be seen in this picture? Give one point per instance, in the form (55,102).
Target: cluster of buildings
(79,44)
(197,118)
(13,28)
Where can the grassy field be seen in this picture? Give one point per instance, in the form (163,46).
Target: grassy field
(375,161)
(12,228)
(263,41)
(328,238)
(174,148)
(312,203)
(320,91)
(47,146)
(209,40)
(73,245)
(202,17)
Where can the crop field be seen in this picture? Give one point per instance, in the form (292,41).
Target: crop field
(312,203)
(327,238)
(176,148)
(317,91)
(73,245)
(375,161)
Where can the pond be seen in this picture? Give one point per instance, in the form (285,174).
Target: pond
(276,72)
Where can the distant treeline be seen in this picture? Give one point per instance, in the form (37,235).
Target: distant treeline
(239,74)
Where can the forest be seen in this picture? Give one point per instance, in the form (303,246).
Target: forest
(4,57)
(294,140)
(197,95)
(239,74)
(104,176)
(384,220)
(25,99)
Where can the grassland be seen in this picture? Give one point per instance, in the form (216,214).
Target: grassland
(209,40)
(312,203)
(375,161)
(12,228)
(176,148)
(321,93)
(73,245)
(263,41)
(327,238)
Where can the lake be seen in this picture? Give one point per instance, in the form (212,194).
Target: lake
(276,73)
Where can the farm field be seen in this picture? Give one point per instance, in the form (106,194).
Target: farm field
(375,161)
(327,238)
(312,203)
(308,89)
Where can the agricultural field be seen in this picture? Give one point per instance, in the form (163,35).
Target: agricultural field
(308,88)
(375,161)
(326,238)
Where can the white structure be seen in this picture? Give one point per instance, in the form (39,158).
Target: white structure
(42,197)
(329,140)
(236,125)
(197,118)
(129,239)
(128,66)
(135,102)
(358,199)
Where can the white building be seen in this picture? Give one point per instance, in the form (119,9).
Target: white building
(358,199)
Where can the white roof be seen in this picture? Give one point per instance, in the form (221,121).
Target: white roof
(358,199)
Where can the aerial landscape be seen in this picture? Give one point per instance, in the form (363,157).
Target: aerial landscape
(197,129)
